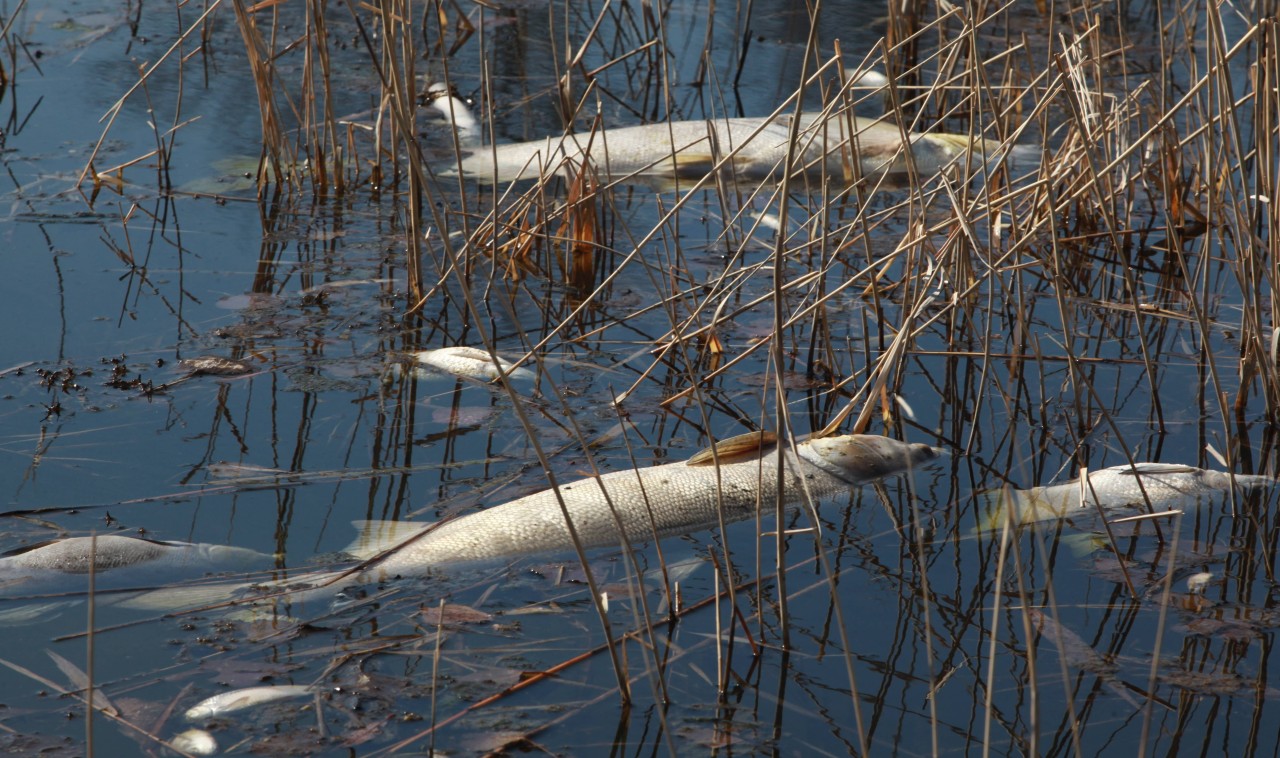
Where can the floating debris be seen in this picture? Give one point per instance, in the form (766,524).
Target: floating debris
(453,614)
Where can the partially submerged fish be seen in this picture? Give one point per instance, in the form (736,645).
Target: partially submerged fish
(631,506)
(1165,486)
(194,742)
(837,147)
(442,98)
(614,509)
(239,700)
(470,362)
(215,365)
(117,557)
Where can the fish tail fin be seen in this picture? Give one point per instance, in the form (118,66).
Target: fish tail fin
(1255,481)
(991,505)
(1018,157)
(1018,507)
(182,598)
(375,537)
(33,613)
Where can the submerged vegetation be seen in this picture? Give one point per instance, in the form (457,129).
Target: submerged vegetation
(1098,290)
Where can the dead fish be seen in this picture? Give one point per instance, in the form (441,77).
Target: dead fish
(755,149)
(111,554)
(194,742)
(215,365)
(443,99)
(470,362)
(615,509)
(239,700)
(1166,486)
(647,503)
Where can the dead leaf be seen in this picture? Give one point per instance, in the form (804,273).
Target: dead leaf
(452,614)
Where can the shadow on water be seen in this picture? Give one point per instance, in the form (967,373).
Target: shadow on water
(260,192)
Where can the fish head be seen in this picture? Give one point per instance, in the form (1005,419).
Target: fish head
(861,458)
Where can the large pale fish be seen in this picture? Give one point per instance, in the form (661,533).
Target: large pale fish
(1119,490)
(828,147)
(655,502)
(121,565)
(116,557)
(622,507)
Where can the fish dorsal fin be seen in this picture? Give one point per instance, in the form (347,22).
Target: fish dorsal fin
(741,447)
(1154,469)
(375,537)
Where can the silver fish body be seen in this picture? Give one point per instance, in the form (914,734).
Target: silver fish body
(471,362)
(194,742)
(241,699)
(756,149)
(1164,486)
(620,507)
(651,503)
(113,555)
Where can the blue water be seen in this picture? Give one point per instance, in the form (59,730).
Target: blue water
(330,427)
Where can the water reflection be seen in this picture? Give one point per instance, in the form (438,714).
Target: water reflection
(1080,321)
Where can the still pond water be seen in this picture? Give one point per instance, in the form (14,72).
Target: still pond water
(915,634)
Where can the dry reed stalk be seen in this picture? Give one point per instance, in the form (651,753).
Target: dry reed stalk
(12,44)
(324,144)
(581,230)
(279,160)
(118,106)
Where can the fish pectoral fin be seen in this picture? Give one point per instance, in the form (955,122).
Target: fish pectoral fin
(376,537)
(695,165)
(740,447)
(687,164)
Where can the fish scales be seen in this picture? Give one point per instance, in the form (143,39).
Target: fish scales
(758,148)
(655,502)
(677,497)
(1165,486)
(659,501)
(73,555)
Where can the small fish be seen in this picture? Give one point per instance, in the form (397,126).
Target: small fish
(470,362)
(215,365)
(238,700)
(194,742)
(1166,486)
